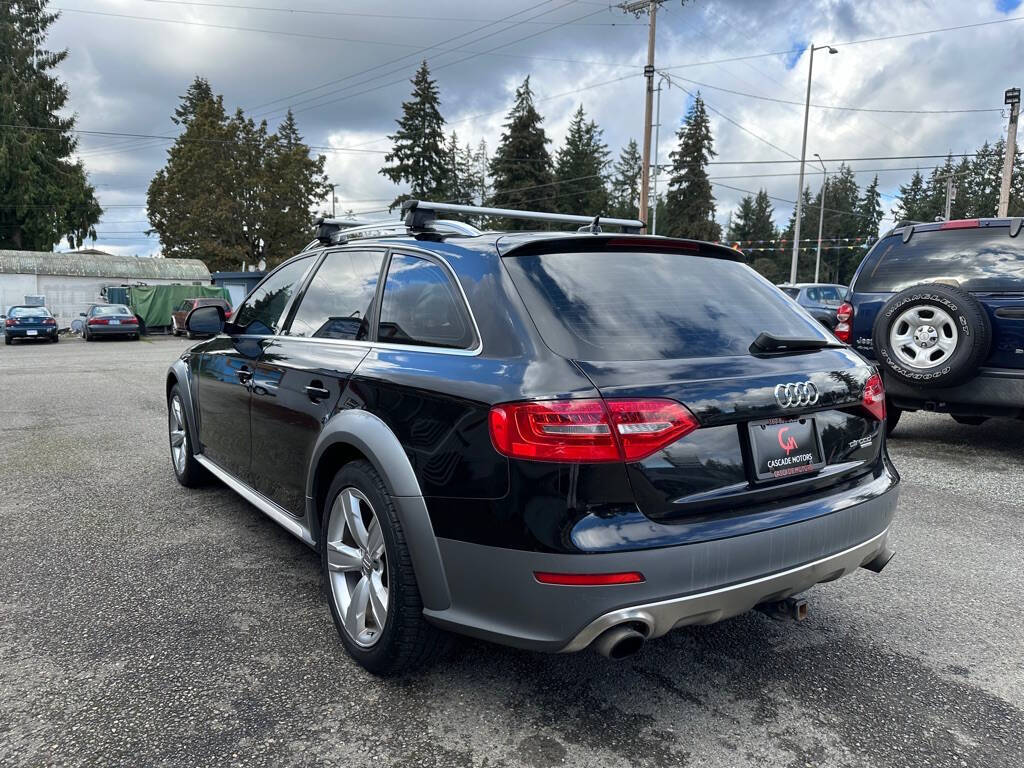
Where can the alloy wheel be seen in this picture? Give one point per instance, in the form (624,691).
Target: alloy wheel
(178,434)
(357,561)
(923,337)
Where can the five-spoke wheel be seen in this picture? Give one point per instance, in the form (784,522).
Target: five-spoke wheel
(357,561)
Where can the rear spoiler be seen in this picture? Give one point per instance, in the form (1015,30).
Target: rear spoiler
(567,242)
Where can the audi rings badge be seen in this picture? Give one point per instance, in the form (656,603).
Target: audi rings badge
(796,394)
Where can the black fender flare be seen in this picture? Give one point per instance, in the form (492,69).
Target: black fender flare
(179,374)
(369,435)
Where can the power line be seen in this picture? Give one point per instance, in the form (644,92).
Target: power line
(836,107)
(472,55)
(848,42)
(743,127)
(363,14)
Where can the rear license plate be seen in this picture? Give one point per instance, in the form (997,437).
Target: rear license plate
(115,322)
(785,448)
(31,333)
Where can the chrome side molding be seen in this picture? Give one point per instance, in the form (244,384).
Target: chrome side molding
(258,500)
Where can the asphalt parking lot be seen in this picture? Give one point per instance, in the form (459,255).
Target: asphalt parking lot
(145,624)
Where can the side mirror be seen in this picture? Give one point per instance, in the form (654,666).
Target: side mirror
(205,321)
(81,314)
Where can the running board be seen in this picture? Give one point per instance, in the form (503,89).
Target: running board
(258,500)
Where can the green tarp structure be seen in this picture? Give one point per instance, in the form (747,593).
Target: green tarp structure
(154,303)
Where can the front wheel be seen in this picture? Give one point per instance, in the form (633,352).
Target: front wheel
(187,470)
(372,591)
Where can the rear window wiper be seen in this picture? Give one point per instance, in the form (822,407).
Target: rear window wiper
(767,343)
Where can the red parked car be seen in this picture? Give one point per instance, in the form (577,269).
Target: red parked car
(178,315)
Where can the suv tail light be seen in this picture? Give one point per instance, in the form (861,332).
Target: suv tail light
(588,430)
(845,317)
(873,399)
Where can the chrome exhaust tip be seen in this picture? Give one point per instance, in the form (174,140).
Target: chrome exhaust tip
(619,642)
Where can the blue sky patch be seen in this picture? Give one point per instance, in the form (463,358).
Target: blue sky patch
(1005,6)
(794,56)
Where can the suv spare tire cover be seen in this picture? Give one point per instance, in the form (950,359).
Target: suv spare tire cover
(932,335)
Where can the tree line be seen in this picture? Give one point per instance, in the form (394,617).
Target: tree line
(579,177)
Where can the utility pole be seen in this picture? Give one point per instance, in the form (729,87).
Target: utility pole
(803,155)
(636,8)
(950,194)
(1011,97)
(821,216)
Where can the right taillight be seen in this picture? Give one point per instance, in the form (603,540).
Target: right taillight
(844,316)
(588,430)
(873,398)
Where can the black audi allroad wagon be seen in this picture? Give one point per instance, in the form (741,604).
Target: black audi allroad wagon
(553,440)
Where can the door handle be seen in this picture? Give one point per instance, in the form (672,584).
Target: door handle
(244,375)
(316,393)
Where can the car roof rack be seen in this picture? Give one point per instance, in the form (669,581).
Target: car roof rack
(337,231)
(421,215)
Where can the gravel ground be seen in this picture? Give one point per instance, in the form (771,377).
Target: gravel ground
(144,624)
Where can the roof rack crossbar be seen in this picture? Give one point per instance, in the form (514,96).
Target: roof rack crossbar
(420,214)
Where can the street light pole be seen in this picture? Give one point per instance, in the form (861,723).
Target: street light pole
(821,215)
(803,156)
(657,169)
(1011,97)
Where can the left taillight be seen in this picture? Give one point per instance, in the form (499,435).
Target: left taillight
(873,398)
(10,321)
(844,320)
(588,430)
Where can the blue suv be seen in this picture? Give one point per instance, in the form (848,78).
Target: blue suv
(553,440)
(940,308)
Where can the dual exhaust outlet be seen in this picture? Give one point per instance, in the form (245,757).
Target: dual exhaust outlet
(625,640)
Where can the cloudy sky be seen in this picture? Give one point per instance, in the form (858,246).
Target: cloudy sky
(344,67)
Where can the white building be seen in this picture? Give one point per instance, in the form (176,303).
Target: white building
(70,282)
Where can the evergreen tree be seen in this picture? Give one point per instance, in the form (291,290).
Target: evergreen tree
(911,202)
(625,182)
(870,210)
(690,204)
(231,191)
(463,183)
(521,167)
(741,225)
(579,169)
(982,184)
(419,156)
(44,196)
(763,223)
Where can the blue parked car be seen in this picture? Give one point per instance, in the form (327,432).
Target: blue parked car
(821,300)
(30,323)
(940,308)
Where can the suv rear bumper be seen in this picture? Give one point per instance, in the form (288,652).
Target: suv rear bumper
(496,597)
(993,392)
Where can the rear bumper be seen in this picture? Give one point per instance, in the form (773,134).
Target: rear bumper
(993,392)
(496,597)
(31,333)
(113,330)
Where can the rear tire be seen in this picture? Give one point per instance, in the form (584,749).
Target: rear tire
(376,554)
(7,340)
(189,472)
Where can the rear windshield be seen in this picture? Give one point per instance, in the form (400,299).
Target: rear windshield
(29,312)
(652,306)
(111,309)
(979,259)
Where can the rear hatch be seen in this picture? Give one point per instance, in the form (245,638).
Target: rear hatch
(978,256)
(649,319)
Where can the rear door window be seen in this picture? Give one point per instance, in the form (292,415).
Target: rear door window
(979,259)
(337,303)
(421,306)
(652,306)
